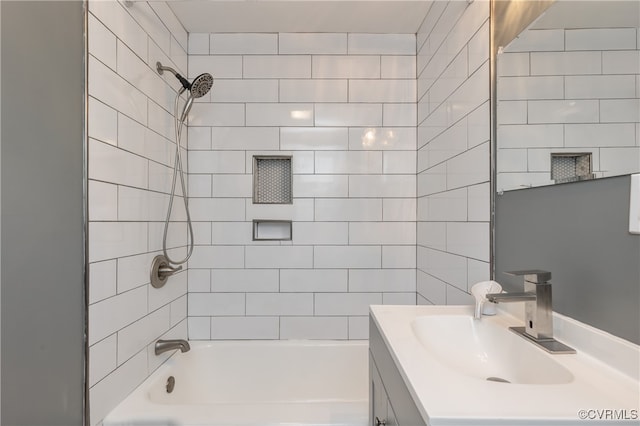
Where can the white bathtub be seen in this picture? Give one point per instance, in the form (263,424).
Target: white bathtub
(257,383)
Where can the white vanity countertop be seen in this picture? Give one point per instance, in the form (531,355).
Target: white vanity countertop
(447,397)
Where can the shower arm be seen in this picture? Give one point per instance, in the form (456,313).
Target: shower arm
(186,85)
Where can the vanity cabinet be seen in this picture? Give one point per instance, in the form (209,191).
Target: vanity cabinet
(380,409)
(389,399)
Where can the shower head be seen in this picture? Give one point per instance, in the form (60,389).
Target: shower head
(200,86)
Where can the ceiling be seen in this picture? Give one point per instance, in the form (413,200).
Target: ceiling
(372,16)
(309,16)
(572,14)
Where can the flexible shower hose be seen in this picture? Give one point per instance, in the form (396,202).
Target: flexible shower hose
(178,166)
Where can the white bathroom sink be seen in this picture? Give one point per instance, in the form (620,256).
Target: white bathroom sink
(445,357)
(486,351)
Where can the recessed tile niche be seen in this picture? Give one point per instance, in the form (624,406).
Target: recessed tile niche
(272,180)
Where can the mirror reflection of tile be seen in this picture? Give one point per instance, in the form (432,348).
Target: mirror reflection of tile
(564,88)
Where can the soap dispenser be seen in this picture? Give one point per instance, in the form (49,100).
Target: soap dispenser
(479,292)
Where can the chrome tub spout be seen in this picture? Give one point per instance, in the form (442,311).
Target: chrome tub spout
(168,345)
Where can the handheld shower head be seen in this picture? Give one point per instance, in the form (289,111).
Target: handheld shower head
(201,85)
(186,108)
(198,88)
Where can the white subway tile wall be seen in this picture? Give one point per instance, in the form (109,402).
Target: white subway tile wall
(344,107)
(131,149)
(568,91)
(453,233)
(389,138)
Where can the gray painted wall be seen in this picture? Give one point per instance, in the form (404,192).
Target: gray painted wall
(42,268)
(0,214)
(579,232)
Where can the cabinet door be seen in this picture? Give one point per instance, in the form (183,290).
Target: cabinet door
(404,412)
(391,416)
(377,396)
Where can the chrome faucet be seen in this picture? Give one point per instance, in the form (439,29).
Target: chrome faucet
(538,313)
(168,345)
(537,298)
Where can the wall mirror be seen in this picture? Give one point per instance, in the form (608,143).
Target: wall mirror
(568,94)
(565,95)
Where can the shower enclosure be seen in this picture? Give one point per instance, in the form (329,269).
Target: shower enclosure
(345,103)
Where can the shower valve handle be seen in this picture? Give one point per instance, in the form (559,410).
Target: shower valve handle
(161,270)
(168,270)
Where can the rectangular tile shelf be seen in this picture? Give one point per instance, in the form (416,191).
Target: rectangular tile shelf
(272,230)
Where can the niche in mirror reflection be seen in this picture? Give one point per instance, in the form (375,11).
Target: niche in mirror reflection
(568,89)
